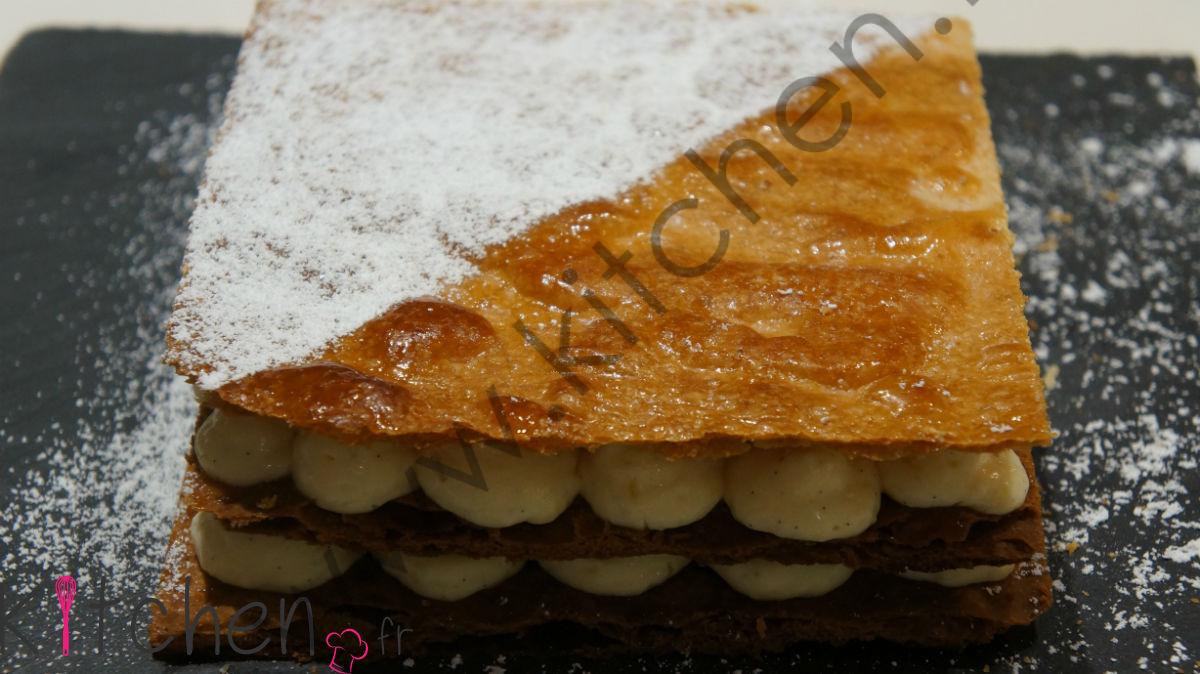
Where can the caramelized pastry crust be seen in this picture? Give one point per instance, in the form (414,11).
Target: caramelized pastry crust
(873,306)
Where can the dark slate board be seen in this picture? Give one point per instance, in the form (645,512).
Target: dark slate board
(1095,153)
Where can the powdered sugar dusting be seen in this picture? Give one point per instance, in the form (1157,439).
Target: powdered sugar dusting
(1191,155)
(97,500)
(371,146)
(1105,217)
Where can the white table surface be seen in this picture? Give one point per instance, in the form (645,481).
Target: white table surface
(1095,26)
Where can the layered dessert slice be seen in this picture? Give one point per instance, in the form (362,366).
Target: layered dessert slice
(664,323)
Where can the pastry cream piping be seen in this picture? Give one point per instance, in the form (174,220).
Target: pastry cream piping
(641,489)
(617,577)
(516,487)
(810,495)
(994,483)
(265,562)
(765,580)
(243,449)
(804,494)
(447,577)
(351,478)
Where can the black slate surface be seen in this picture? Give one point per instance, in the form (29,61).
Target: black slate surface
(1102,172)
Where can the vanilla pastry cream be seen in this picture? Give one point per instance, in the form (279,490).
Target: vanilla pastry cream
(616,577)
(447,577)
(517,487)
(642,489)
(265,562)
(809,495)
(961,577)
(804,494)
(766,580)
(348,478)
(991,482)
(243,449)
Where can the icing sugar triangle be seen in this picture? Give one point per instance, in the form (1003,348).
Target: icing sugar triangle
(369,144)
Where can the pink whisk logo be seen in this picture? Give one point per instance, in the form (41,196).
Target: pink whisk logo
(64,589)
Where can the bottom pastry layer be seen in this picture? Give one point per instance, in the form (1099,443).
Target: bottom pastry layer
(693,611)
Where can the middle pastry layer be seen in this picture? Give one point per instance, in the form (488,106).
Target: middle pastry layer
(807,494)
(901,538)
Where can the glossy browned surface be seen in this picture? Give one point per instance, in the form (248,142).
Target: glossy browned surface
(874,305)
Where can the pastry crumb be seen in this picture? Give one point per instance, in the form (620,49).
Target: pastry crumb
(1050,377)
(1061,217)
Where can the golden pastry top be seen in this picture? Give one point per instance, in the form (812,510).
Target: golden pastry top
(873,306)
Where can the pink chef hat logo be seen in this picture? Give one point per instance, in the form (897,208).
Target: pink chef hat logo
(348,647)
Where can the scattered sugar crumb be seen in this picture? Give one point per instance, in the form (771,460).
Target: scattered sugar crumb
(1185,553)
(1191,155)
(1094,293)
(1092,146)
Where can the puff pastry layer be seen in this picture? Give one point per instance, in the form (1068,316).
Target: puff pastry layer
(873,306)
